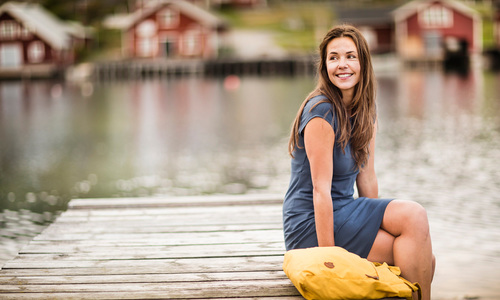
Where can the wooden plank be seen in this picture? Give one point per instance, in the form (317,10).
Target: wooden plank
(135,270)
(188,265)
(219,200)
(140,278)
(121,254)
(171,241)
(89,251)
(174,290)
(221,211)
(90,227)
(144,238)
(122,295)
(154,243)
(66,248)
(176,216)
(200,219)
(229,218)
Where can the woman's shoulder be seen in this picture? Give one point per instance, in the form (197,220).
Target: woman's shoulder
(317,106)
(319,100)
(319,103)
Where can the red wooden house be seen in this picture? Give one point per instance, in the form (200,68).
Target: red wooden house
(33,42)
(427,29)
(173,29)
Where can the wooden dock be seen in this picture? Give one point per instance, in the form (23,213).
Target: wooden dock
(209,247)
(158,68)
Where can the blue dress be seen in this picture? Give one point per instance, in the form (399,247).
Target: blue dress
(356,221)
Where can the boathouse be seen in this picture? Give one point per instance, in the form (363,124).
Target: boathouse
(34,42)
(431,29)
(172,29)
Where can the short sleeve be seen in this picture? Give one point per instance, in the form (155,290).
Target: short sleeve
(315,108)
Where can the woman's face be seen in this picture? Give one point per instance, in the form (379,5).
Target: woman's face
(342,64)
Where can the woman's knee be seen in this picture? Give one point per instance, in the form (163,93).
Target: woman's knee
(403,215)
(415,212)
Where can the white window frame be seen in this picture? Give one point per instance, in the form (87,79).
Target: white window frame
(191,42)
(169,18)
(147,47)
(25,32)
(146,28)
(436,16)
(36,51)
(6,59)
(9,29)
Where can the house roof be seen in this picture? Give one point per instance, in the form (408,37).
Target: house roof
(371,16)
(201,15)
(415,6)
(43,23)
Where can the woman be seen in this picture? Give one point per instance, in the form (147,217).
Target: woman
(332,145)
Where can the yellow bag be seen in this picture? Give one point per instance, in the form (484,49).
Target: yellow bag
(335,273)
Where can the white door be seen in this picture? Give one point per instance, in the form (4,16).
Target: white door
(10,56)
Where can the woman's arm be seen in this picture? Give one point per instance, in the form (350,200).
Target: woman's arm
(319,139)
(367,179)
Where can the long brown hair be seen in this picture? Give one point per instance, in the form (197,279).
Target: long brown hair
(355,122)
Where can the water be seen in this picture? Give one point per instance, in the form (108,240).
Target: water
(438,144)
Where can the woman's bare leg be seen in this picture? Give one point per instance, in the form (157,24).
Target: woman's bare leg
(404,240)
(382,249)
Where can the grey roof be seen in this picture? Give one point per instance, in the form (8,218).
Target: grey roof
(43,23)
(366,16)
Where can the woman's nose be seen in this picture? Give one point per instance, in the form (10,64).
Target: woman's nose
(342,62)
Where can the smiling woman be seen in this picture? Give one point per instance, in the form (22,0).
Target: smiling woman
(332,145)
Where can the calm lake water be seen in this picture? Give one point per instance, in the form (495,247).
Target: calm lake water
(438,144)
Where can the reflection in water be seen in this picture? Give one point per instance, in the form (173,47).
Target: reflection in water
(438,144)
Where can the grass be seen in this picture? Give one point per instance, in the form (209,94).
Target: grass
(296,26)
(486,13)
